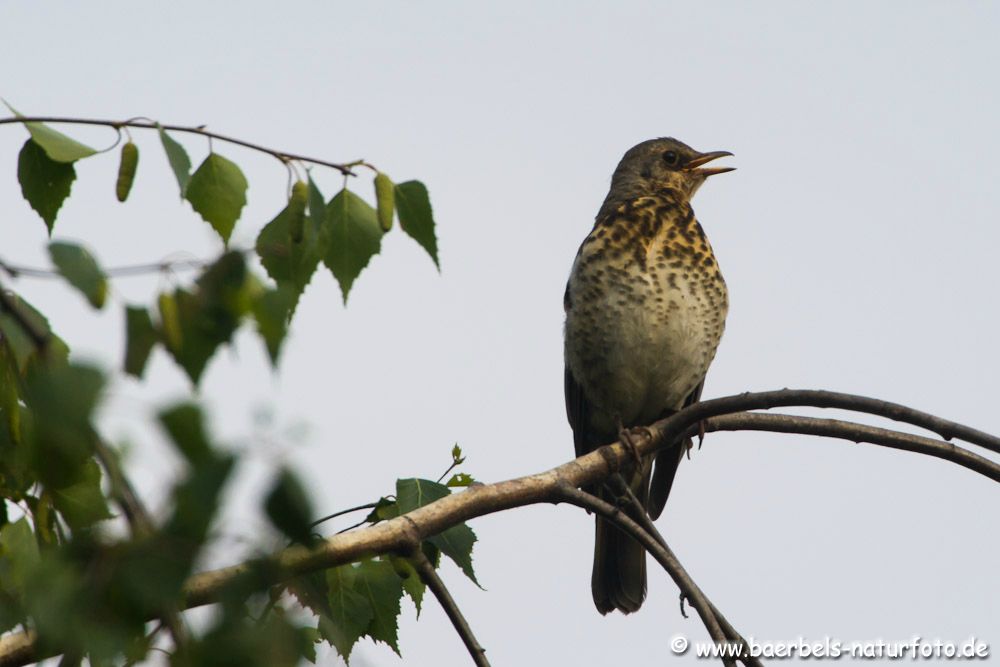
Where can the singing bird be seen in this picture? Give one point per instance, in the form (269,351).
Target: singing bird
(645,309)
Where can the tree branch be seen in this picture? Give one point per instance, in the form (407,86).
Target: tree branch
(552,486)
(731,634)
(343,168)
(858,433)
(660,551)
(430,577)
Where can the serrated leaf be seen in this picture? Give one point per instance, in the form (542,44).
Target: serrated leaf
(57,145)
(413,585)
(126,171)
(355,236)
(378,583)
(271,310)
(288,507)
(287,262)
(45,183)
(384,200)
(218,192)
(456,455)
(461,479)
(82,503)
(80,269)
(413,206)
(178,158)
(140,338)
(455,542)
(350,611)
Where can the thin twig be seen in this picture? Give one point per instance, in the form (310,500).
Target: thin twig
(430,577)
(732,635)
(343,168)
(663,555)
(814,398)
(844,430)
(366,506)
(127,271)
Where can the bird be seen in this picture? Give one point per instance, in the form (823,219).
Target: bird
(646,307)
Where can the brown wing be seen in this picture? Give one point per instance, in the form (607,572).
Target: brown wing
(578,413)
(667,460)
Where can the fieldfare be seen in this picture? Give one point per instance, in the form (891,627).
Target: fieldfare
(645,309)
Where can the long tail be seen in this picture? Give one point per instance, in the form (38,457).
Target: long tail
(619,577)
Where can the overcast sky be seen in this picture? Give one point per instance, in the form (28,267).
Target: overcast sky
(858,237)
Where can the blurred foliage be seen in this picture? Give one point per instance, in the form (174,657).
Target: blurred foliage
(90,590)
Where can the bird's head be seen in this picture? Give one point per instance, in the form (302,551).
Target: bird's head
(660,164)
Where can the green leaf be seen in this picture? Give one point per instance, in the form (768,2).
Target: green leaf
(384,510)
(382,588)
(57,145)
(45,183)
(415,217)
(185,425)
(297,211)
(384,200)
(141,337)
(126,171)
(271,310)
(80,269)
(196,323)
(355,236)
(218,192)
(461,479)
(288,507)
(82,503)
(18,557)
(286,261)
(413,585)
(178,158)
(350,612)
(62,398)
(14,336)
(455,542)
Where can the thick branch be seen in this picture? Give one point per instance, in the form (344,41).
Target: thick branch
(430,577)
(345,168)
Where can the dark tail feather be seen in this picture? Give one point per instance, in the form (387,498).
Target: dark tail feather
(667,460)
(619,578)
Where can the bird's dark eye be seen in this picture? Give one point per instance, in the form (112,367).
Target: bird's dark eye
(671,158)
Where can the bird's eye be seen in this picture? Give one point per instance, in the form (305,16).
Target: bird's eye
(671,158)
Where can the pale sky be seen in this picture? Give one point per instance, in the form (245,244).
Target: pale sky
(858,238)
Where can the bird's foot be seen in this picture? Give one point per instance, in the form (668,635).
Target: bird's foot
(701,432)
(627,436)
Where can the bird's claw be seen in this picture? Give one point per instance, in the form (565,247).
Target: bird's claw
(627,437)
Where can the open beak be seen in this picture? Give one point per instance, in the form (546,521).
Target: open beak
(705,158)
